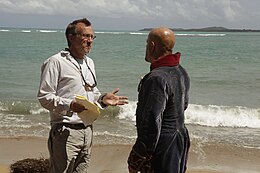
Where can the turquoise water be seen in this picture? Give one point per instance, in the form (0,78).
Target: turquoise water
(223,67)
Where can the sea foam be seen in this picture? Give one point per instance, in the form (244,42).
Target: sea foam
(209,115)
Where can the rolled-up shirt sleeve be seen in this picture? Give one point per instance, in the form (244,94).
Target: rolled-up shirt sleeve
(47,94)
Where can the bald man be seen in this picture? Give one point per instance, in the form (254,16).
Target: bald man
(162,142)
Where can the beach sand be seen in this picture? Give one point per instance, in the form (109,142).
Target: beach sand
(112,158)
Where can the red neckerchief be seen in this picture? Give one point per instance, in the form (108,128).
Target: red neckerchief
(168,60)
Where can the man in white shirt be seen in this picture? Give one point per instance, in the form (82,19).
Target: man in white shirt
(64,75)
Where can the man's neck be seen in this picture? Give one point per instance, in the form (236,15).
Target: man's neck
(163,54)
(76,54)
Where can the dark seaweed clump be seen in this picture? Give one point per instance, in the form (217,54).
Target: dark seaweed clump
(30,166)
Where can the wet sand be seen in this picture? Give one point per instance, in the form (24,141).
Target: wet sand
(112,158)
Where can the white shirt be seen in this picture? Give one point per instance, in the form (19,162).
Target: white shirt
(60,81)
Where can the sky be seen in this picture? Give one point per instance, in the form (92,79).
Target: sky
(131,14)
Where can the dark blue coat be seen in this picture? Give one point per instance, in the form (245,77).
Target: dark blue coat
(161,134)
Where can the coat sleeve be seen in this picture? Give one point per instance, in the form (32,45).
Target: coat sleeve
(150,110)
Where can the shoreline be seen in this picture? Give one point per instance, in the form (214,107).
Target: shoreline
(208,158)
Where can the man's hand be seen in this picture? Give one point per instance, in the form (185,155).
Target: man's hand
(76,107)
(110,99)
(131,170)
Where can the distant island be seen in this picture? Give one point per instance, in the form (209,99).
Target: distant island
(209,29)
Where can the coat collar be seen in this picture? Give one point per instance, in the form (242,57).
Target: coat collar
(168,60)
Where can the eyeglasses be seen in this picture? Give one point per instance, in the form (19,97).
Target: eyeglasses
(93,37)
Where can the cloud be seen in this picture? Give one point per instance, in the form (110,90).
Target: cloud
(97,8)
(186,12)
(186,9)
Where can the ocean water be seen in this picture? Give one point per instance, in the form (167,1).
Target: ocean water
(224,69)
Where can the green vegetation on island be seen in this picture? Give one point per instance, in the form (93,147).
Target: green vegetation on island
(209,29)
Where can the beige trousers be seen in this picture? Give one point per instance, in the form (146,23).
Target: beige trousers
(70,149)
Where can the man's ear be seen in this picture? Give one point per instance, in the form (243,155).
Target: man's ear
(70,37)
(152,47)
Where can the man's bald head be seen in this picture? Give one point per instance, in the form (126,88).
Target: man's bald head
(160,42)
